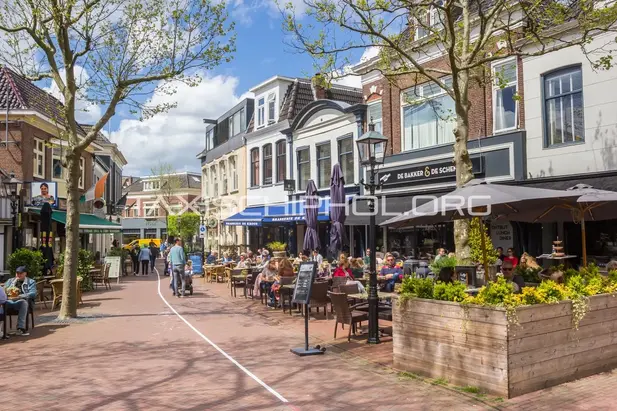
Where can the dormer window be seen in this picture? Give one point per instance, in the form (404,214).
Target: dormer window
(152,185)
(271,108)
(428,21)
(261,112)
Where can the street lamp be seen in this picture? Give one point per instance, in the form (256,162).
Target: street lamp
(202,213)
(371,149)
(11,190)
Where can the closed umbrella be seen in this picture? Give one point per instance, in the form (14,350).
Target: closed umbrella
(338,235)
(311,209)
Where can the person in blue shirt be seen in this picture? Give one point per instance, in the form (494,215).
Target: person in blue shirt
(391,271)
(212,258)
(177,259)
(144,257)
(27,292)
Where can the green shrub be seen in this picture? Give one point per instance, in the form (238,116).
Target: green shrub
(32,260)
(417,287)
(450,291)
(276,246)
(443,262)
(85,262)
(475,243)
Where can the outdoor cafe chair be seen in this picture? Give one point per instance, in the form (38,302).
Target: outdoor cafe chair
(56,286)
(10,312)
(250,283)
(319,297)
(337,281)
(349,289)
(238,283)
(346,315)
(286,293)
(106,276)
(40,292)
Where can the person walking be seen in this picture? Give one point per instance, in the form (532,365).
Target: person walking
(154,253)
(178,261)
(144,257)
(164,251)
(135,258)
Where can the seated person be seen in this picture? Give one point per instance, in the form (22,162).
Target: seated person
(324,270)
(343,269)
(226,258)
(511,257)
(392,272)
(18,300)
(508,273)
(250,258)
(528,261)
(243,263)
(357,267)
(212,258)
(267,275)
(441,253)
(2,301)
(285,268)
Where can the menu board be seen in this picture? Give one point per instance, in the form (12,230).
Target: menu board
(304,282)
(114,270)
(465,274)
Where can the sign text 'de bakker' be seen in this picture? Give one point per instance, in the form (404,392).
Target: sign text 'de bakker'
(421,173)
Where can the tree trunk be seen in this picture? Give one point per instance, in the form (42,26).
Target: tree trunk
(462,161)
(69,289)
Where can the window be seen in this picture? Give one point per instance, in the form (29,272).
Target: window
(210,139)
(505,106)
(215,181)
(82,172)
(563,99)
(236,123)
(57,171)
(428,21)
(345,152)
(152,185)
(38,159)
(223,170)
(261,112)
(267,164)
(281,161)
(324,164)
(254,167)
(271,108)
(206,186)
(428,116)
(151,209)
(233,171)
(374,115)
(304,168)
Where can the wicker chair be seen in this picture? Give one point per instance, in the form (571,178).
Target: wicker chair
(336,282)
(286,293)
(11,312)
(250,283)
(237,283)
(348,289)
(56,286)
(319,297)
(40,292)
(98,277)
(106,276)
(345,315)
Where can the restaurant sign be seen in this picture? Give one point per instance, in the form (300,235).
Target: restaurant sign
(419,174)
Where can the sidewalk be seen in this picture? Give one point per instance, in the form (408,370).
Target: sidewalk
(129,351)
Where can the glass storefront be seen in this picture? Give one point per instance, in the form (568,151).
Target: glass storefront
(420,241)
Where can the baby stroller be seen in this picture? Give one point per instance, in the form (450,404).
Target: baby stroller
(188,286)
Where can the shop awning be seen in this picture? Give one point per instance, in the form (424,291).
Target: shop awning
(249,217)
(88,223)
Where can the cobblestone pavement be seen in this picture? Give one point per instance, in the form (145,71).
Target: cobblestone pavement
(130,351)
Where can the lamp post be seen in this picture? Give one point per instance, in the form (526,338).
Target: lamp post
(11,189)
(371,149)
(202,214)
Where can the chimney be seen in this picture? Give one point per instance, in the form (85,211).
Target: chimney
(319,87)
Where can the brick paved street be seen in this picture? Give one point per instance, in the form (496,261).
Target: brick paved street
(131,352)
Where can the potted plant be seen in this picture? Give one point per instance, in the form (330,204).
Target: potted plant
(277,248)
(444,267)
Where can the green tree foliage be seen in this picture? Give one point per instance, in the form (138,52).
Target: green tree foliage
(475,242)
(109,53)
(463,38)
(185,225)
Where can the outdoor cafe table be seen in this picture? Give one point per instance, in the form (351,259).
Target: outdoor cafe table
(382,295)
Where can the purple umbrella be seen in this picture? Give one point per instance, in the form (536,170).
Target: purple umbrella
(311,209)
(338,236)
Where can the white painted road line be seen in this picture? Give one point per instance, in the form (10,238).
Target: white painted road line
(216,347)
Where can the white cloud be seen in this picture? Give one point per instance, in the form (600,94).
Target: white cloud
(243,11)
(175,137)
(85,111)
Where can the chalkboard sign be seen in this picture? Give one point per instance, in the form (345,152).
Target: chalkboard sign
(304,282)
(115,269)
(466,274)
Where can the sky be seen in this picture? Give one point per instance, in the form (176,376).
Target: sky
(177,137)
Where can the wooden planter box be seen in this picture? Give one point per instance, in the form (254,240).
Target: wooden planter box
(477,347)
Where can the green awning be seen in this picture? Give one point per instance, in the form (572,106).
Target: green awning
(88,223)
